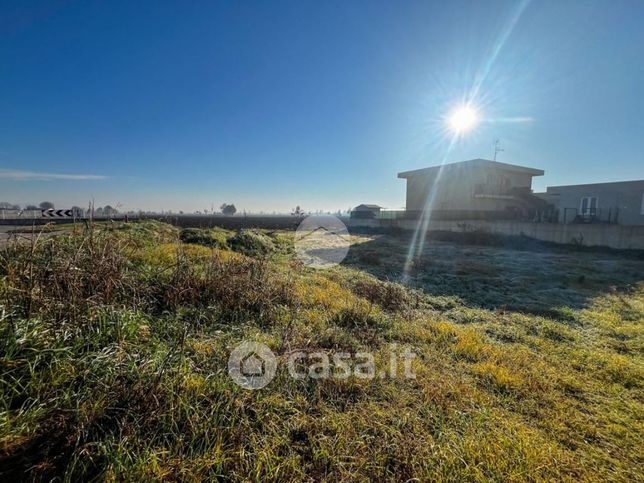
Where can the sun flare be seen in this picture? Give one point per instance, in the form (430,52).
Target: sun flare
(463,119)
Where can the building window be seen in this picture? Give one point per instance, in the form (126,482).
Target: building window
(588,206)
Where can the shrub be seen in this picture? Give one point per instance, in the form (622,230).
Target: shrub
(208,238)
(359,317)
(246,287)
(389,296)
(70,278)
(64,277)
(150,231)
(252,243)
(283,241)
(235,288)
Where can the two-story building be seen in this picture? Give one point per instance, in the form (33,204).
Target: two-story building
(474,189)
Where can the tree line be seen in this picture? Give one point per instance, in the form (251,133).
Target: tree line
(48,205)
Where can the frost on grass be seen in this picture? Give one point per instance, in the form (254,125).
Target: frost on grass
(114,343)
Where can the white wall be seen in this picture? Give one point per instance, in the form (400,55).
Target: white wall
(626,197)
(612,236)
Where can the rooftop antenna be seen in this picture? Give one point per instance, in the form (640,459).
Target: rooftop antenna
(497,148)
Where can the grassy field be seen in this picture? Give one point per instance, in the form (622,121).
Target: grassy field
(115,341)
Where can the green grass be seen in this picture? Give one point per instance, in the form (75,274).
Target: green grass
(114,344)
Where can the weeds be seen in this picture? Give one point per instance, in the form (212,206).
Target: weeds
(208,238)
(114,343)
(252,243)
(390,296)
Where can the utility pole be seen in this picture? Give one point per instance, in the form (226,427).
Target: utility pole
(497,148)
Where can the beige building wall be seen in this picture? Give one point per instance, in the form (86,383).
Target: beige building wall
(456,186)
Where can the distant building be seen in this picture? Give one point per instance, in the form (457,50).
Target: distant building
(474,189)
(619,202)
(366,211)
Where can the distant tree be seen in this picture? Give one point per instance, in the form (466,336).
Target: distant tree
(77,211)
(99,210)
(297,211)
(31,207)
(46,205)
(4,205)
(228,209)
(109,211)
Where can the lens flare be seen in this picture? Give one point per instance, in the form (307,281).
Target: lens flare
(463,119)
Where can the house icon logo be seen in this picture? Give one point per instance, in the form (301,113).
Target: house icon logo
(322,241)
(252,365)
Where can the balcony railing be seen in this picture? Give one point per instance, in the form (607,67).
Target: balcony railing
(482,190)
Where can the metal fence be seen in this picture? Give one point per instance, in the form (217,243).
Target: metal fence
(593,215)
(566,215)
(17,217)
(10,214)
(537,216)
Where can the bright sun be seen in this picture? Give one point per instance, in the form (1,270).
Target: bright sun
(462,119)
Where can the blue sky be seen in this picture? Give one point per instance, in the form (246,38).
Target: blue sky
(268,105)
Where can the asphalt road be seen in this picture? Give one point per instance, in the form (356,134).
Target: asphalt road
(5,232)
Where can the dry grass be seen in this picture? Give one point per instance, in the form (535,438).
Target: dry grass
(114,344)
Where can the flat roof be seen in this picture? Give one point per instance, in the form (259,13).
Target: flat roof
(608,183)
(473,163)
(366,205)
